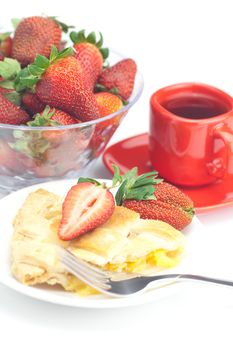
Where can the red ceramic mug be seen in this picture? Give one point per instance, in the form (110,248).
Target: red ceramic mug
(191,134)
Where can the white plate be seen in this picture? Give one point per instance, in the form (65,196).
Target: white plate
(9,206)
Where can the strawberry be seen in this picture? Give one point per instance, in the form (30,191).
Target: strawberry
(32,103)
(170,205)
(90,54)
(107,103)
(120,76)
(60,82)
(86,206)
(35,35)
(10,113)
(5,44)
(53,117)
(63,86)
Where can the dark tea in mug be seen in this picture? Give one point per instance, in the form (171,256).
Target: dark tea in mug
(195,107)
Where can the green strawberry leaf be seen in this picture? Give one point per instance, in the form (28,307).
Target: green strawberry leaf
(27,82)
(32,144)
(114,91)
(4,36)
(15,22)
(140,195)
(130,185)
(7,84)
(14,97)
(19,84)
(35,70)
(99,44)
(54,53)
(64,27)
(79,37)
(9,68)
(65,53)
(117,179)
(74,37)
(44,118)
(28,77)
(100,88)
(87,179)
(104,52)
(120,193)
(91,38)
(42,61)
(131,175)
(135,187)
(18,134)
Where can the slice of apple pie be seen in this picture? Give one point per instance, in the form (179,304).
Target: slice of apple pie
(124,243)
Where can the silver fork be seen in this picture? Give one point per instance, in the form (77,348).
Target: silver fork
(119,284)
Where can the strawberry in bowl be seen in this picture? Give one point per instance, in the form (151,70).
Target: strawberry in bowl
(58,110)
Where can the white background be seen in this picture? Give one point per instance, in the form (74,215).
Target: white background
(172,41)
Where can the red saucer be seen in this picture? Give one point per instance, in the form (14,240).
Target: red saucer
(134,152)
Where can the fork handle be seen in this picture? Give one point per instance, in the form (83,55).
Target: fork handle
(190,277)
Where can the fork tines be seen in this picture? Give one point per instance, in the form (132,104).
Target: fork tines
(89,274)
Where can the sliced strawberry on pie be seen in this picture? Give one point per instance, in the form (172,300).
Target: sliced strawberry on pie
(87,205)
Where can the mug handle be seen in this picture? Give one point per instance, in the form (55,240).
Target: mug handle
(218,166)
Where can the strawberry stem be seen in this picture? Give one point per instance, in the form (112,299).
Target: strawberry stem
(14,97)
(80,37)
(131,186)
(29,76)
(88,179)
(9,68)
(135,187)
(15,22)
(114,91)
(44,118)
(4,36)
(64,27)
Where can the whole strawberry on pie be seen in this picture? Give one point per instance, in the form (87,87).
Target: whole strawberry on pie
(155,200)
(170,205)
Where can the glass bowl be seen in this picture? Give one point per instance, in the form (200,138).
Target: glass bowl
(29,155)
